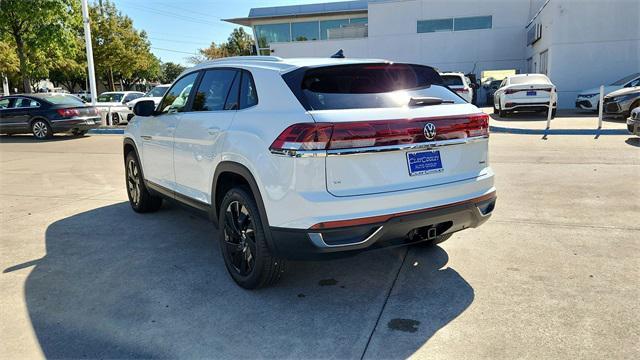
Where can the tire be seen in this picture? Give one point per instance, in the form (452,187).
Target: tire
(41,129)
(115,119)
(437,240)
(553,113)
(78,132)
(243,243)
(140,199)
(502,113)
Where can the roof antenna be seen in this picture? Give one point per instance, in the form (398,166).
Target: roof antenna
(338,55)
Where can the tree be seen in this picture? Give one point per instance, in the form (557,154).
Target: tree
(239,43)
(37,28)
(120,51)
(170,71)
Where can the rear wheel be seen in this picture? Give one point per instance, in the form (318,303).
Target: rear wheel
(41,130)
(115,119)
(502,113)
(243,244)
(139,197)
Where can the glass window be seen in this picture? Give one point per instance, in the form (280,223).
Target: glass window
(437,25)
(157,91)
(26,103)
(625,79)
(370,86)
(472,23)
(272,33)
(233,102)
(110,97)
(176,98)
(330,24)
(248,92)
(131,97)
(362,20)
(303,31)
(452,80)
(64,100)
(4,103)
(213,90)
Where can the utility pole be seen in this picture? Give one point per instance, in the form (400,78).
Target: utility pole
(87,40)
(5,84)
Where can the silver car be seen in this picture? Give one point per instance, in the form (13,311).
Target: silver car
(620,102)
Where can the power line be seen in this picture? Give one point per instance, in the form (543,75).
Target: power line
(175,51)
(173,15)
(182,10)
(177,41)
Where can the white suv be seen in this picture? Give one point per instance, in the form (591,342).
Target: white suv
(459,83)
(305,158)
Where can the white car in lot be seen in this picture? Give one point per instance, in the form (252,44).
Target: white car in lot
(633,122)
(459,83)
(154,94)
(309,158)
(589,99)
(114,104)
(524,92)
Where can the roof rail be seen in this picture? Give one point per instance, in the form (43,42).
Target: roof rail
(249,58)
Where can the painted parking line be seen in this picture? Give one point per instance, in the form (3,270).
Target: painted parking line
(505,130)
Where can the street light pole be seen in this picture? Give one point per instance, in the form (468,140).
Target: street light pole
(87,40)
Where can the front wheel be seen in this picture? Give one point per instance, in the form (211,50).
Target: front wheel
(243,243)
(41,130)
(115,119)
(139,197)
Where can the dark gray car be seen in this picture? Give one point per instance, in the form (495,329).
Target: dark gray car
(45,114)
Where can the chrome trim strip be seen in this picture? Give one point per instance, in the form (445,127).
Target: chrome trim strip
(318,240)
(376,149)
(81,118)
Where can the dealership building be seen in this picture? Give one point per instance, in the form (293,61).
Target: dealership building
(579,44)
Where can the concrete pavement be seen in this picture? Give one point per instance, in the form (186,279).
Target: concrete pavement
(552,275)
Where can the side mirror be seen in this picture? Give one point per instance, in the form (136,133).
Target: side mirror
(144,108)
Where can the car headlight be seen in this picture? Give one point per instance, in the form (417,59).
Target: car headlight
(624,97)
(587,95)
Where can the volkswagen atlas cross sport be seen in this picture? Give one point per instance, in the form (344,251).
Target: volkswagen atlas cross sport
(308,158)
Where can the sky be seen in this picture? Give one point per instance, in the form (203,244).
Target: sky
(177,29)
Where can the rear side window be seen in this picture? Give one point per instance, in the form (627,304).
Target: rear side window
(366,86)
(214,89)
(248,93)
(4,103)
(25,103)
(452,80)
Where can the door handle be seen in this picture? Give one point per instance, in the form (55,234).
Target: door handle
(213,130)
(146,137)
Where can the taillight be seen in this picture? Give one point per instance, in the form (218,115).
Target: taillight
(68,112)
(464,90)
(361,134)
(511,91)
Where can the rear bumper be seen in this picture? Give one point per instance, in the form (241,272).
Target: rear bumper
(80,123)
(529,106)
(400,229)
(633,126)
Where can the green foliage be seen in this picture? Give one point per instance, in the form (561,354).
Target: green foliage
(239,43)
(41,32)
(170,71)
(120,51)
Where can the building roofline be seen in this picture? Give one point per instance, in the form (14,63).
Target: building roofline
(248,21)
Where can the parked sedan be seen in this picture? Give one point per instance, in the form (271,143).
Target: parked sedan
(154,94)
(115,103)
(633,122)
(44,114)
(524,92)
(588,99)
(619,103)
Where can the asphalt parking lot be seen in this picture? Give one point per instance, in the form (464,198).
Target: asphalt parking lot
(554,273)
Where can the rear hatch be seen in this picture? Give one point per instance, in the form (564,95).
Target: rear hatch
(391,127)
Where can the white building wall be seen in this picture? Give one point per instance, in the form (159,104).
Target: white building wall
(590,43)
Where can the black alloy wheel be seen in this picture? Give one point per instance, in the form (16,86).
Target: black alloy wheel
(240,238)
(139,197)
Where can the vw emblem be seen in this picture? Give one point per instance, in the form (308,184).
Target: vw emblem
(430,131)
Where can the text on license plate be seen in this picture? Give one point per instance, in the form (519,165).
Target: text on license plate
(531,93)
(424,162)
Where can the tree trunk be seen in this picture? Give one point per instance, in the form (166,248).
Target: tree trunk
(112,85)
(26,87)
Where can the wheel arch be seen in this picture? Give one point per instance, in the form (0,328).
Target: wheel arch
(128,146)
(229,174)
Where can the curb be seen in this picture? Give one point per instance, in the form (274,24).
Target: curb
(106,131)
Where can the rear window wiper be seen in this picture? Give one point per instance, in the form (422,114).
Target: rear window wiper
(428,101)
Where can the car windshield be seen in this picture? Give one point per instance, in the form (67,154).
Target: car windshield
(626,79)
(111,97)
(157,91)
(452,80)
(61,99)
(531,79)
(364,86)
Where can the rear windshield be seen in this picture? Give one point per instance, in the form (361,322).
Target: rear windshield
(112,97)
(366,86)
(64,100)
(531,79)
(452,80)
